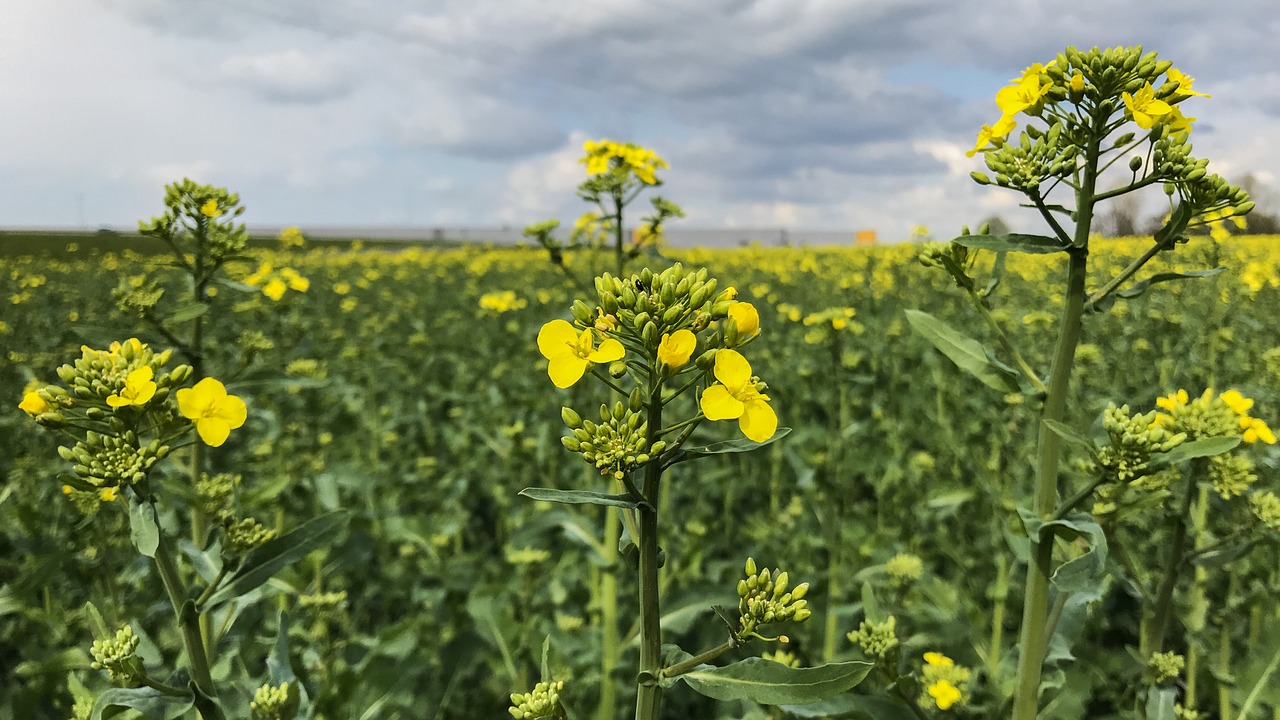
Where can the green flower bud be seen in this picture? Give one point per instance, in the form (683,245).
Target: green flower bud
(617,369)
(570,418)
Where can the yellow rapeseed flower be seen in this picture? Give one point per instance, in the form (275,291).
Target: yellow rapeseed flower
(1144,107)
(736,398)
(937,659)
(108,494)
(571,354)
(1184,83)
(210,209)
(675,349)
(32,404)
(1023,95)
(746,318)
(944,694)
(1255,429)
(1002,128)
(139,388)
(214,412)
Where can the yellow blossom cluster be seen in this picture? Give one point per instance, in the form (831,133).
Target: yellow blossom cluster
(604,156)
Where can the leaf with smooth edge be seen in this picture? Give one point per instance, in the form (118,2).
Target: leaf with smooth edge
(1081,574)
(143,529)
(770,683)
(189,312)
(737,445)
(149,702)
(968,354)
(580,497)
(1138,288)
(275,555)
(1205,447)
(861,707)
(1034,244)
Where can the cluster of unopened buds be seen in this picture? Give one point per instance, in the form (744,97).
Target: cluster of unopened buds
(764,598)
(541,703)
(1134,439)
(618,444)
(117,655)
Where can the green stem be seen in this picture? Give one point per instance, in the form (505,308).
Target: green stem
(1021,362)
(1125,274)
(1224,654)
(617,231)
(164,689)
(192,639)
(1035,607)
(997,616)
(609,616)
(649,694)
(1164,595)
(681,668)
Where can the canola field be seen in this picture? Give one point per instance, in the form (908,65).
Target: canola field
(406,388)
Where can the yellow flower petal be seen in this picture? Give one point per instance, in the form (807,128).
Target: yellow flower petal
(566,369)
(758,422)
(732,369)
(938,659)
(676,348)
(746,317)
(944,694)
(213,431)
(32,404)
(608,351)
(555,338)
(718,404)
(232,411)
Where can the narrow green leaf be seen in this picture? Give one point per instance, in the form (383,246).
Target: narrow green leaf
(1070,434)
(149,702)
(143,529)
(968,354)
(280,669)
(870,605)
(188,312)
(1206,447)
(279,553)
(770,683)
(1034,244)
(580,497)
(1142,286)
(737,445)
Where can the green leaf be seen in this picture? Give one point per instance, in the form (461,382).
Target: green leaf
(871,606)
(1080,574)
(149,702)
(1139,288)
(770,683)
(968,354)
(280,670)
(1034,244)
(1160,704)
(265,561)
(737,445)
(1070,434)
(581,497)
(859,707)
(1206,447)
(188,312)
(143,529)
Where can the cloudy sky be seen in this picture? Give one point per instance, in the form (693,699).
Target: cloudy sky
(807,114)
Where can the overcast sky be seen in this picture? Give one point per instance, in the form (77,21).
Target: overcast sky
(810,114)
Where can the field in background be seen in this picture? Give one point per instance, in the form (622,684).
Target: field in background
(414,395)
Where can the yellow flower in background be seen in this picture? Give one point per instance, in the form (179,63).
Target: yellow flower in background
(675,349)
(736,398)
(210,209)
(139,388)
(214,412)
(571,353)
(274,283)
(1145,108)
(1184,83)
(108,494)
(746,318)
(1255,429)
(32,404)
(937,659)
(944,694)
(291,237)
(502,301)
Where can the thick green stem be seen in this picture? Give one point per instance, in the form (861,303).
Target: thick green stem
(192,639)
(1001,598)
(649,694)
(621,261)
(1033,641)
(608,589)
